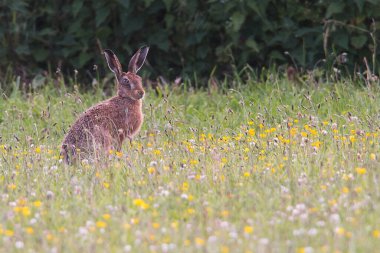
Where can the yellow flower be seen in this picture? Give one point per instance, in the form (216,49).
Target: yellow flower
(106,216)
(293,131)
(361,171)
(157,152)
(29,230)
(345,190)
(283,140)
(156,225)
(49,237)
(199,241)
(38,150)
(140,203)
(101,224)
(224,249)
(262,135)
(340,231)
(194,162)
(151,170)
(251,132)
(106,185)
(332,202)
(37,203)
(313,132)
(12,186)
(313,210)
(301,250)
(316,144)
(346,177)
(119,154)
(185,186)
(248,230)
(190,210)
(238,137)
(174,224)
(376,233)
(135,221)
(247,174)
(21,202)
(9,232)
(25,211)
(225,213)
(372,156)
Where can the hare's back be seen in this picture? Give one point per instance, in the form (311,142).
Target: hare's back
(97,115)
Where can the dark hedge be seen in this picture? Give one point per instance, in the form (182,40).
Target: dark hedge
(186,36)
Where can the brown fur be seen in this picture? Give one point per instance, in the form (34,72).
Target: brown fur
(106,125)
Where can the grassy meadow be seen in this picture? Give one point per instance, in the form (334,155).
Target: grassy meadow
(265,167)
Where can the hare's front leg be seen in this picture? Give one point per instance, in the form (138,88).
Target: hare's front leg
(68,153)
(122,136)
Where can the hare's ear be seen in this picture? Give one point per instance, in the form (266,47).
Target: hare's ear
(138,59)
(113,62)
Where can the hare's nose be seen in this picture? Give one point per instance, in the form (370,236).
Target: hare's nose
(141,93)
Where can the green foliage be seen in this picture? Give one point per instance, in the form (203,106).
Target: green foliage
(186,36)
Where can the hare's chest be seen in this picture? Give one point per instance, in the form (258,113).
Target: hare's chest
(133,121)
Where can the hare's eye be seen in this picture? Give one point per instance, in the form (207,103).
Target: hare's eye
(125,81)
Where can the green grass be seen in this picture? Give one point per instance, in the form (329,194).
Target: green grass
(267,167)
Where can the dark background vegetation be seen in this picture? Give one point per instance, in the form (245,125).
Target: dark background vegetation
(188,38)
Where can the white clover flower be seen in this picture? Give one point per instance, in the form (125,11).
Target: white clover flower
(19,245)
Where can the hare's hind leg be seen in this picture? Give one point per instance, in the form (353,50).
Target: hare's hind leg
(104,142)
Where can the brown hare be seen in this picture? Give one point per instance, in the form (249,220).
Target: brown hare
(105,126)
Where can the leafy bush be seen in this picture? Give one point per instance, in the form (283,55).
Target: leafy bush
(185,36)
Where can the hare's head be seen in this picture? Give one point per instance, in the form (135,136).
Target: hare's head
(129,83)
